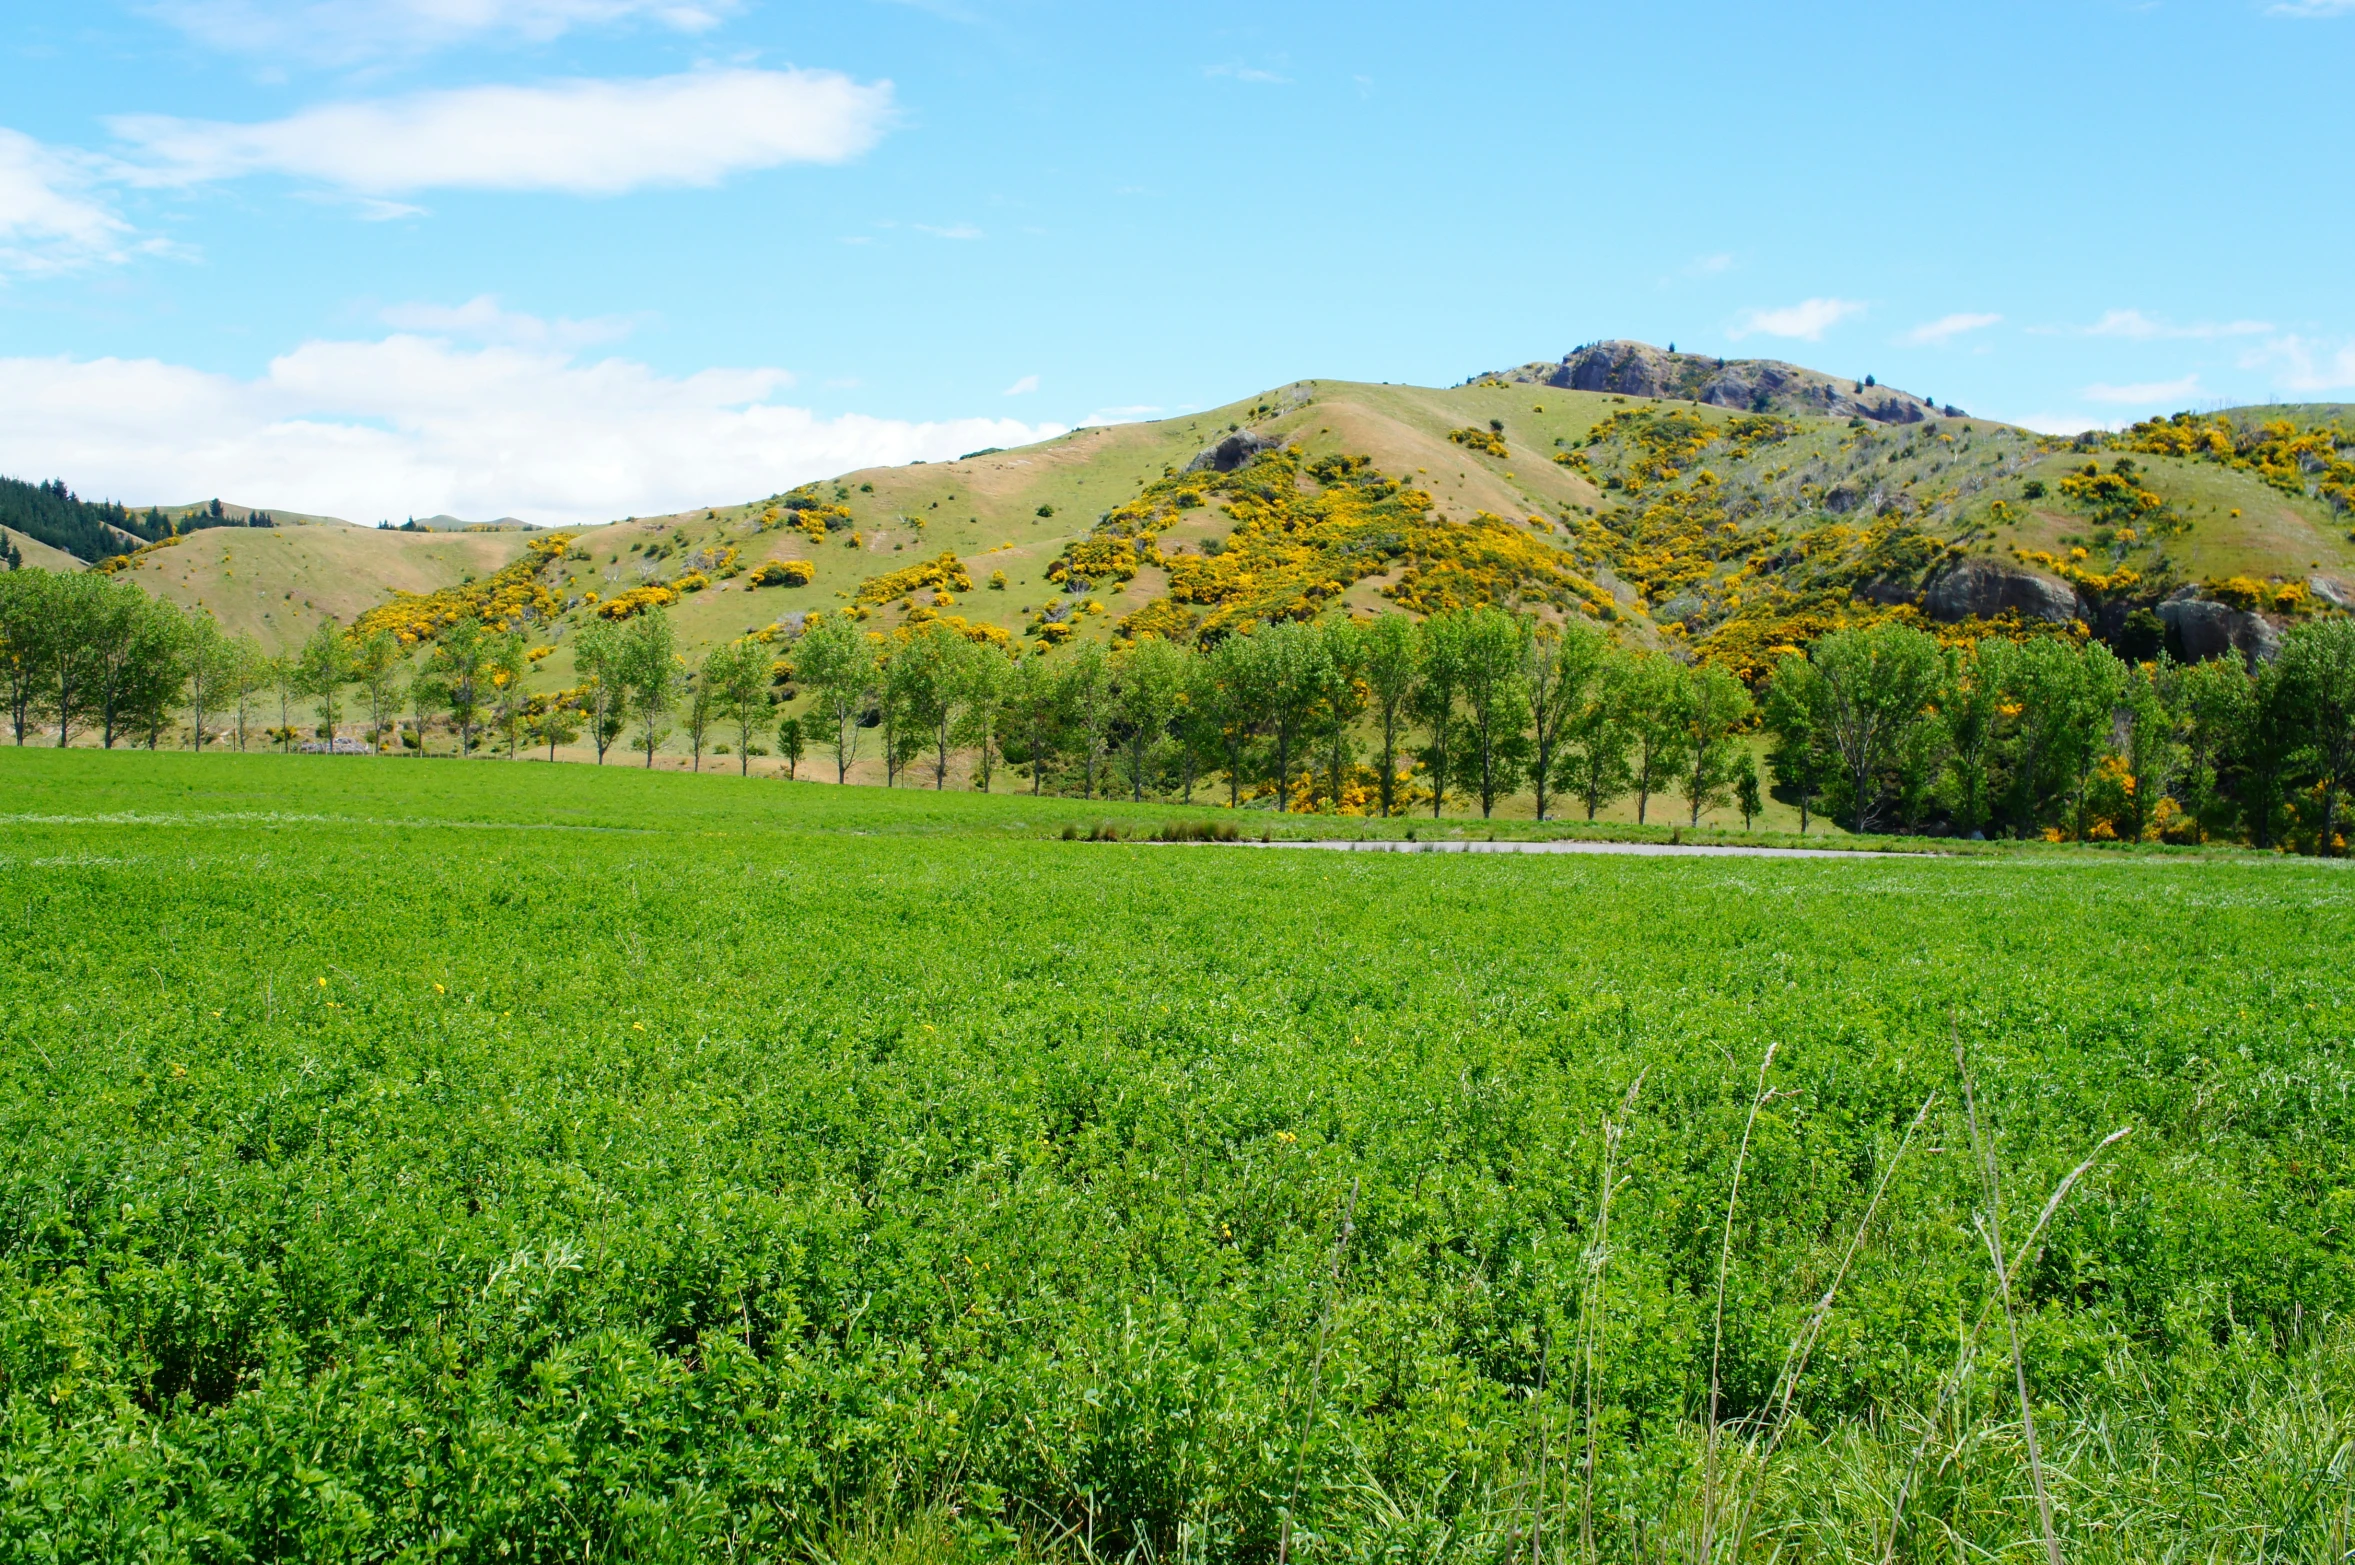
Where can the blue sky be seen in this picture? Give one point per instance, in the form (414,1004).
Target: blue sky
(566,259)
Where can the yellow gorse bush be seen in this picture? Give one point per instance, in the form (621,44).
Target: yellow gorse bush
(946,573)
(507,599)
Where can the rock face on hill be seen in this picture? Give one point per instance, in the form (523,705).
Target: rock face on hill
(1230,453)
(2198,630)
(1982,588)
(1637,369)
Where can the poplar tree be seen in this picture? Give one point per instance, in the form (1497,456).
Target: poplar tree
(1149,681)
(1491,653)
(835,662)
(738,677)
(1558,668)
(324,667)
(1713,708)
(1392,670)
(1596,736)
(1438,688)
(2317,681)
(597,659)
(650,666)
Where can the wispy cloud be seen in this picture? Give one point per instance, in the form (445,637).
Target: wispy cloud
(1247,73)
(50,220)
(953,231)
(1023,387)
(1807,320)
(1948,327)
(481,319)
(2305,364)
(1121,415)
(2144,392)
(2312,8)
(410,424)
(583,137)
(2135,326)
(345,31)
(1709,265)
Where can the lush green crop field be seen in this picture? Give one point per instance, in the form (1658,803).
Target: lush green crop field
(489,1162)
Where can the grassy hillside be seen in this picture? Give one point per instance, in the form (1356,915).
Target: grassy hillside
(1732,529)
(548,1163)
(277,582)
(39,555)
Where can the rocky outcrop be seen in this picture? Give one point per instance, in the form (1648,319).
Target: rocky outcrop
(2198,630)
(1982,588)
(1230,453)
(1637,369)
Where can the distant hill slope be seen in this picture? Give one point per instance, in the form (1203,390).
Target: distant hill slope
(1731,507)
(277,582)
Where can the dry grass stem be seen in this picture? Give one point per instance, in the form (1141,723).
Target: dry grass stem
(1725,1252)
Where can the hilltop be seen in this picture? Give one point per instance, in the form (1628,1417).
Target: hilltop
(1732,506)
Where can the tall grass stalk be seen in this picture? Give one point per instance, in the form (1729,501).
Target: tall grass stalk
(2005,1275)
(1591,1316)
(1316,1373)
(1803,1345)
(1725,1255)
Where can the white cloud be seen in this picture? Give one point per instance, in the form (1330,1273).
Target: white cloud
(346,30)
(953,231)
(2306,365)
(1709,266)
(2312,8)
(2148,391)
(1023,387)
(1247,73)
(48,222)
(1948,327)
(2138,327)
(586,137)
(415,425)
(1807,320)
(482,319)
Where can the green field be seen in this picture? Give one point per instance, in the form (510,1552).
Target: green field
(552,1163)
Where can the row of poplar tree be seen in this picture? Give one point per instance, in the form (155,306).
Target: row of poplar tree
(1881,727)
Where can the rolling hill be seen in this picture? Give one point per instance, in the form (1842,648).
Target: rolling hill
(1732,506)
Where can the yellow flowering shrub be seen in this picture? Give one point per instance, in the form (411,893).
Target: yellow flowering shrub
(504,600)
(637,600)
(1472,437)
(784,573)
(2297,460)
(984,635)
(946,573)
(1096,557)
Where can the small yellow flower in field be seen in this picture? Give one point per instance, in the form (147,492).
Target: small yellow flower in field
(438,989)
(640,1026)
(928,1027)
(1286,1136)
(322,983)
